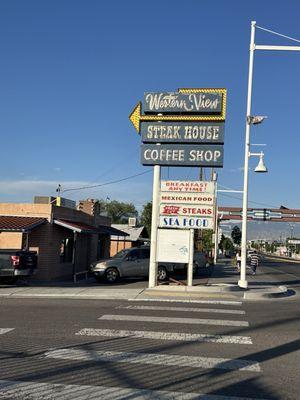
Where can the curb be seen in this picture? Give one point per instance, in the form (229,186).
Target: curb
(218,291)
(281,292)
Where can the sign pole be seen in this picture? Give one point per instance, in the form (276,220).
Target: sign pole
(216,244)
(154,225)
(191,259)
(216,227)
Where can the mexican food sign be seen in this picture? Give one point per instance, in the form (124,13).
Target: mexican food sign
(187,204)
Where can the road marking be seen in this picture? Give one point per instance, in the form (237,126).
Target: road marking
(175,336)
(18,390)
(221,302)
(168,320)
(154,359)
(5,330)
(184,309)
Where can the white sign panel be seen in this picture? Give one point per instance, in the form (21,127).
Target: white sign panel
(188,186)
(173,246)
(186,222)
(294,241)
(187,198)
(190,210)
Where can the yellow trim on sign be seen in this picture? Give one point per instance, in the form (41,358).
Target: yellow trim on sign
(136,117)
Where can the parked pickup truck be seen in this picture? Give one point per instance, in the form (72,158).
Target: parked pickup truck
(15,264)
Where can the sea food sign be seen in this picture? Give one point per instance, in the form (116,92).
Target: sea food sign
(182,222)
(187,204)
(175,102)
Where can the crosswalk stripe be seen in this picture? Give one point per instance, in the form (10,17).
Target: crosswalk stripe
(20,390)
(175,336)
(184,309)
(154,359)
(168,320)
(221,302)
(5,330)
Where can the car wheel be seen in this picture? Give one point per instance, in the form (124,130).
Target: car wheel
(112,275)
(195,268)
(162,274)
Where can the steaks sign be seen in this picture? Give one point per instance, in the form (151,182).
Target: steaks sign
(184,210)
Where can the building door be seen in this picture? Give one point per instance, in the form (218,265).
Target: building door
(101,247)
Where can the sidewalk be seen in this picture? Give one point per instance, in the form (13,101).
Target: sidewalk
(221,284)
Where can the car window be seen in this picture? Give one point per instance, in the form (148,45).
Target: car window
(121,254)
(144,253)
(133,254)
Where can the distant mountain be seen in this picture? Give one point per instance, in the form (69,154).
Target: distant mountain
(265,230)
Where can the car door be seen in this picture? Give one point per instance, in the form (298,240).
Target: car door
(145,260)
(130,266)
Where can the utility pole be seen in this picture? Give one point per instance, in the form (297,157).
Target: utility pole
(242,282)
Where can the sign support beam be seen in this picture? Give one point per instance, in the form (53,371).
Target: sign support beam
(154,226)
(278,48)
(191,259)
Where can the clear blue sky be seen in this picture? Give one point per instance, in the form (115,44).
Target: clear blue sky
(72,71)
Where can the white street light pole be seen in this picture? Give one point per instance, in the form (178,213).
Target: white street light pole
(254,120)
(243,282)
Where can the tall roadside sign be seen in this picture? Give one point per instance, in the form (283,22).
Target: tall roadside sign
(180,129)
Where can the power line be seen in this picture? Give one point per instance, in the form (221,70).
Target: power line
(239,198)
(249,201)
(106,183)
(116,165)
(278,34)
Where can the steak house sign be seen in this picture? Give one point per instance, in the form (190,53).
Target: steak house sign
(182,123)
(182,132)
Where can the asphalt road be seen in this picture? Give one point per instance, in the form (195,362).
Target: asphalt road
(286,272)
(86,349)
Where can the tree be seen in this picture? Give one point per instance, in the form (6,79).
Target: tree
(236,235)
(119,212)
(146,217)
(226,244)
(207,243)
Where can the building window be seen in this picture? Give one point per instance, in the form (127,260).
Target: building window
(66,250)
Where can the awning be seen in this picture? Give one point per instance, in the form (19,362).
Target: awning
(85,228)
(76,226)
(13,223)
(109,230)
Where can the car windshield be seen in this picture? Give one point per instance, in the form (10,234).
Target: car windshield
(121,254)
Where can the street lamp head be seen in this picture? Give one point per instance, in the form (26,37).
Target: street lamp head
(261,165)
(255,119)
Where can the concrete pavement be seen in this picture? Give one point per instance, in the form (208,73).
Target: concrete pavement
(221,284)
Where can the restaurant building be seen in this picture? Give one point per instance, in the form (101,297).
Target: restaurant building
(67,240)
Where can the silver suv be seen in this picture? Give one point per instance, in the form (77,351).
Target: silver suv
(134,262)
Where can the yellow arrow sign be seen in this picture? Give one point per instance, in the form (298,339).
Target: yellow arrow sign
(136,117)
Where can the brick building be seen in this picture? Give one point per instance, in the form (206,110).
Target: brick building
(67,240)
